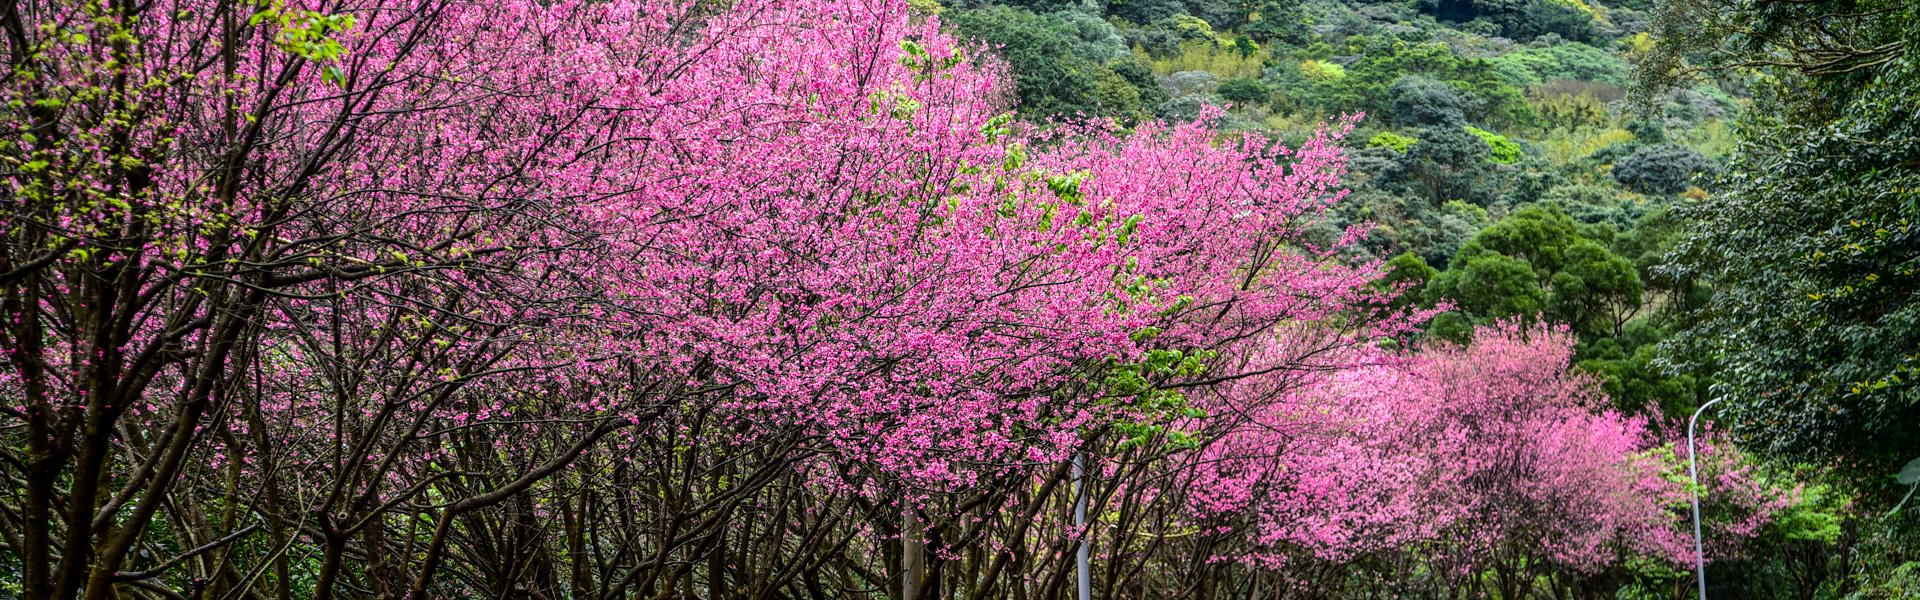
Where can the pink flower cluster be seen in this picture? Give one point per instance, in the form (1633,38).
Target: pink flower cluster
(1492,455)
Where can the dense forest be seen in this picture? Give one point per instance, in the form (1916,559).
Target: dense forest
(960,299)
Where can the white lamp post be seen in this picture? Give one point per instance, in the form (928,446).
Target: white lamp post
(1693,470)
(1080,522)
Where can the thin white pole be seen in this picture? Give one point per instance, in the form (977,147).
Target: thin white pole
(1693,470)
(1080,525)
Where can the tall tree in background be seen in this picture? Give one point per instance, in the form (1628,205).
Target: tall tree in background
(1812,244)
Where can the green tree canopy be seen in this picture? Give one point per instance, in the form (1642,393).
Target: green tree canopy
(1064,63)
(1812,246)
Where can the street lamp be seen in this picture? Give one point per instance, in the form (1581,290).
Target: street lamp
(1085,586)
(1693,470)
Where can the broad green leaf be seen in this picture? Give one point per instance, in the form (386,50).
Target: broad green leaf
(1910,474)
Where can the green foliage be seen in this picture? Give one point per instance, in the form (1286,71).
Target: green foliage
(1524,19)
(1566,106)
(1818,515)
(1366,84)
(1451,226)
(307,34)
(1541,236)
(1276,21)
(1529,178)
(1902,581)
(1447,163)
(1322,71)
(1491,285)
(1454,327)
(1646,131)
(1500,149)
(1574,60)
(1596,291)
(1407,273)
(1661,169)
(1419,101)
(1539,262)
(1244,91)
(1399,143)
(1064,64)
(1138,390)
(1646,243)
(1809,246)
(1627,366)
(1211,56)
(1579,145)
(1594,204)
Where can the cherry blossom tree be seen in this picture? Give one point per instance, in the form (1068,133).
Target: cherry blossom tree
(662,298)
(350,298)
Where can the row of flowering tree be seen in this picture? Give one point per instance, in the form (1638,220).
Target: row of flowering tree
(755,299)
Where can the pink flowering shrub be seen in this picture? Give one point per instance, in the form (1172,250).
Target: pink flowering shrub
(1492,461)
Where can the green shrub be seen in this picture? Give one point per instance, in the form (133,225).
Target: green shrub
(1244,91)
(1422,101)
(1573,60)
(1399,143)
(1319,70)
(1503,150)
(1661,168)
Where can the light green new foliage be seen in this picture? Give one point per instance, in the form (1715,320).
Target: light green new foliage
(1503,150)
(1399,143)
(1817,515)
(1323,71)
(308,34)
(1135,388)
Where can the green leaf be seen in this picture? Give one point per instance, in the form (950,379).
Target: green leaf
(1910,474)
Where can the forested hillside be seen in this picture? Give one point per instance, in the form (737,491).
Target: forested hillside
(914,300)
